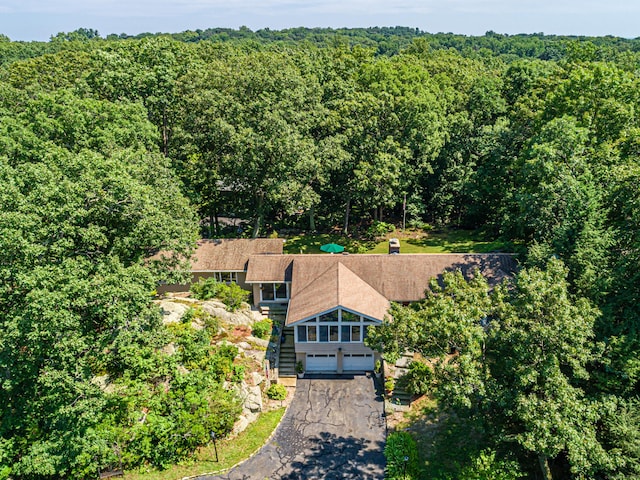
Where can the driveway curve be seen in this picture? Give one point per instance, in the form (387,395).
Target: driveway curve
(333,429)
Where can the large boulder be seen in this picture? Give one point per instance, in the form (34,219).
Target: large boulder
(251,397)
(253,400)
(172,312)
(245,316)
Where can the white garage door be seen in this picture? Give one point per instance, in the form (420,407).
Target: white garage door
(357,361)
(322,362)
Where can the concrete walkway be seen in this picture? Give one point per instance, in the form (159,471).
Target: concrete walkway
(333,429)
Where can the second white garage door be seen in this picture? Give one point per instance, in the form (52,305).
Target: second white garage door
(357,361)
(322,362)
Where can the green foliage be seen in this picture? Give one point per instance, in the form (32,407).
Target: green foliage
(419,378)
(389,384)
(487,467)
(519,359)
(379,229)
(206,289)
(238,373)
(299,367)
(232,295)
(533,139)
(277,392)
(401,454)
(262,328)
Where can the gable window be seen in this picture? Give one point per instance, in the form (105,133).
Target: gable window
(350,317)
(329,317)
(332,327)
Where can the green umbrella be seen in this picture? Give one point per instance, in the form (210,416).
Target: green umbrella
(332,248)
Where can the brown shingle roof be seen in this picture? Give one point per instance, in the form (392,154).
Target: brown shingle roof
(229,254)
(336,287)
(270,268)
(317,280)
(404,277)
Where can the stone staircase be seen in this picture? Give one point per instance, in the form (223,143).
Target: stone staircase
(287,364)
(400,396)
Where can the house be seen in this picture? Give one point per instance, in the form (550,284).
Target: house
(224,259)
(331,300)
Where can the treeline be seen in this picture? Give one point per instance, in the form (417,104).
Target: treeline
(111,148)
(383,40)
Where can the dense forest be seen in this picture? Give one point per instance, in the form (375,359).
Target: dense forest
(114,148)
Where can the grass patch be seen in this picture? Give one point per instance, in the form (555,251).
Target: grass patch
(414,241)
(312,243)
(445,442)
(230,451)
(446,241)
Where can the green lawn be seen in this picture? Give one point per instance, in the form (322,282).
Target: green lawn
(445,442)
(230,452)
(446,241)
(312,243)
(452,241)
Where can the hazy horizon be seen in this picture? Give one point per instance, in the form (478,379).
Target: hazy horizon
(26,20)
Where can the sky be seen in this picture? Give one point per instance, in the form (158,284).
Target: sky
(40,19)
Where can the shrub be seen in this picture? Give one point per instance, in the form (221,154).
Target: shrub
(211,323)
(238,373)
(378,367)
(378,229)
(277,392)
(389,384)
(228,351)
(262,329)
(486,467)
(419,378)
(232,296)
(206,289)
(401,446)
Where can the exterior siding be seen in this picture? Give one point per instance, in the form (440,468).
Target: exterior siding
(196,277)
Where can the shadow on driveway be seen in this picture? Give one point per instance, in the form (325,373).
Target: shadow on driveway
(333,429)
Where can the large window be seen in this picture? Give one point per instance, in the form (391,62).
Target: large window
(274,292)
(227,277)
(337,326)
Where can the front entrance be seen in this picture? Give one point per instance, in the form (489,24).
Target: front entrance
(357,361)
(322,362)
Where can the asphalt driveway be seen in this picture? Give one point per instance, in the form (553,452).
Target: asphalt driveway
(333,429)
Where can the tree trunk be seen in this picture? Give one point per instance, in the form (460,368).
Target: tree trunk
(165,135)
(312,219)
(259,215)
(346,217)
(544,467)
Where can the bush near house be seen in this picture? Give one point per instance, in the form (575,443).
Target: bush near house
(232,295)
(419,378)
(277,392)
(262,329)
(401,453)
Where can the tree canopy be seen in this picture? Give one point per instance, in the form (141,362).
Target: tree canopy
(114,148)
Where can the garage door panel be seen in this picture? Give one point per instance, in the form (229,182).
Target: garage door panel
(357,361)
(322,362)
